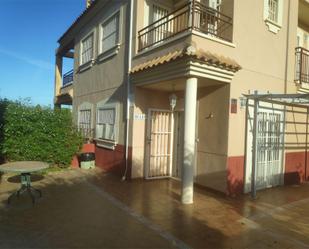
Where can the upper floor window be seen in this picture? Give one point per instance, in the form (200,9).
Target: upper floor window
(215,4)
(302,38)
(110,33)
(273,14)
(273,10)
(158,12)
(87,49)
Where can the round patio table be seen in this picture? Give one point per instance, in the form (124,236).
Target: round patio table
(24,168)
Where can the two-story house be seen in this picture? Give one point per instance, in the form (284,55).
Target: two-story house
(176,89)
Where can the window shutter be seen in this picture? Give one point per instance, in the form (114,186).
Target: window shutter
(87,49)
(106,124)
(110,31)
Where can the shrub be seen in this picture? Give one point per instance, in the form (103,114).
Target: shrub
(37,133)
(3,105)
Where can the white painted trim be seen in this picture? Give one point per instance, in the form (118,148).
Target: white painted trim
(273,27)
(107,144)
(111,105)
(182,68)
(119,11)
(85,66)
(93,33)
(108,53)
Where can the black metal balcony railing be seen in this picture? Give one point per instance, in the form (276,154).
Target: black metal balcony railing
(302,65)
(192,16)
(68,78)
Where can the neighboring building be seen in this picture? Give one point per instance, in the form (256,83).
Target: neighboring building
(204,56)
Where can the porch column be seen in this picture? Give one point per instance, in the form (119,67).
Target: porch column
(58,75)
(189,141)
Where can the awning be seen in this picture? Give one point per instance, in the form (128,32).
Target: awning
(190,51)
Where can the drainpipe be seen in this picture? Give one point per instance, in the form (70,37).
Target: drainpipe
(286,87)
(287,49)
(128,91)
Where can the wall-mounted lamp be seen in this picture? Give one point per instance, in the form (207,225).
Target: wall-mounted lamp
(173,101)
(243,102)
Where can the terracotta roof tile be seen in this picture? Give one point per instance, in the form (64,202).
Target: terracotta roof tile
(205,56)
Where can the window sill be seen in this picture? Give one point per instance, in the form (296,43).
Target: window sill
(85,66)
(107,144)
(272,26)
(108,53)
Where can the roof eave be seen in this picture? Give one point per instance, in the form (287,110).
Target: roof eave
(77,20)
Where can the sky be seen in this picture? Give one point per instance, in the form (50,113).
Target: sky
(29,30)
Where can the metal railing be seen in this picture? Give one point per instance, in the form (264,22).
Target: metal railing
(68,78)
(192,16)
(302,65)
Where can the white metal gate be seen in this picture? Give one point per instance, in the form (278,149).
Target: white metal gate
(160,144)
(269,168)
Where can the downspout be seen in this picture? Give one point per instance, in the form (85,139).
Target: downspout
(285,89)
(287,49)
(128,91)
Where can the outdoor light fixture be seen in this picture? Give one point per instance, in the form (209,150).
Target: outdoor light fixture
(243,102)
(173,101)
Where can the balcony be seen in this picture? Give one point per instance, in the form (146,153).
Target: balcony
(67,78)
(192,16)
(302,66)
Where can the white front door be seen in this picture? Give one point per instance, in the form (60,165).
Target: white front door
(159,144)
(269,168)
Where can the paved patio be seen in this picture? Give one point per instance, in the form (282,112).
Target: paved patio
(91,209)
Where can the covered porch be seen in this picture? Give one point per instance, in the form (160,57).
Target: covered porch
(180,119)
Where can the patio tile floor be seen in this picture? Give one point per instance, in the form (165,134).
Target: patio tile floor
(92,209)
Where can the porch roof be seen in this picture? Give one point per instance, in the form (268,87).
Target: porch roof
(190,51)
(292,99)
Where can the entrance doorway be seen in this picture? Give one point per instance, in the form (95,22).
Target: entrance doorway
(164,144)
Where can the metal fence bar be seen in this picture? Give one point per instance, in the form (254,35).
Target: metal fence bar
(191,16)
(68,78)
(301,65)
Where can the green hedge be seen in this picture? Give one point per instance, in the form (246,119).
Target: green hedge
(37,133)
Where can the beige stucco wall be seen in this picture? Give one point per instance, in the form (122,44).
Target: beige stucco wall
(106,79)
(212,133)
(262,56)
(267,62)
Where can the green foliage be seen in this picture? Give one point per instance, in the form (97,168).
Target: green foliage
(3,105)
(37,133)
